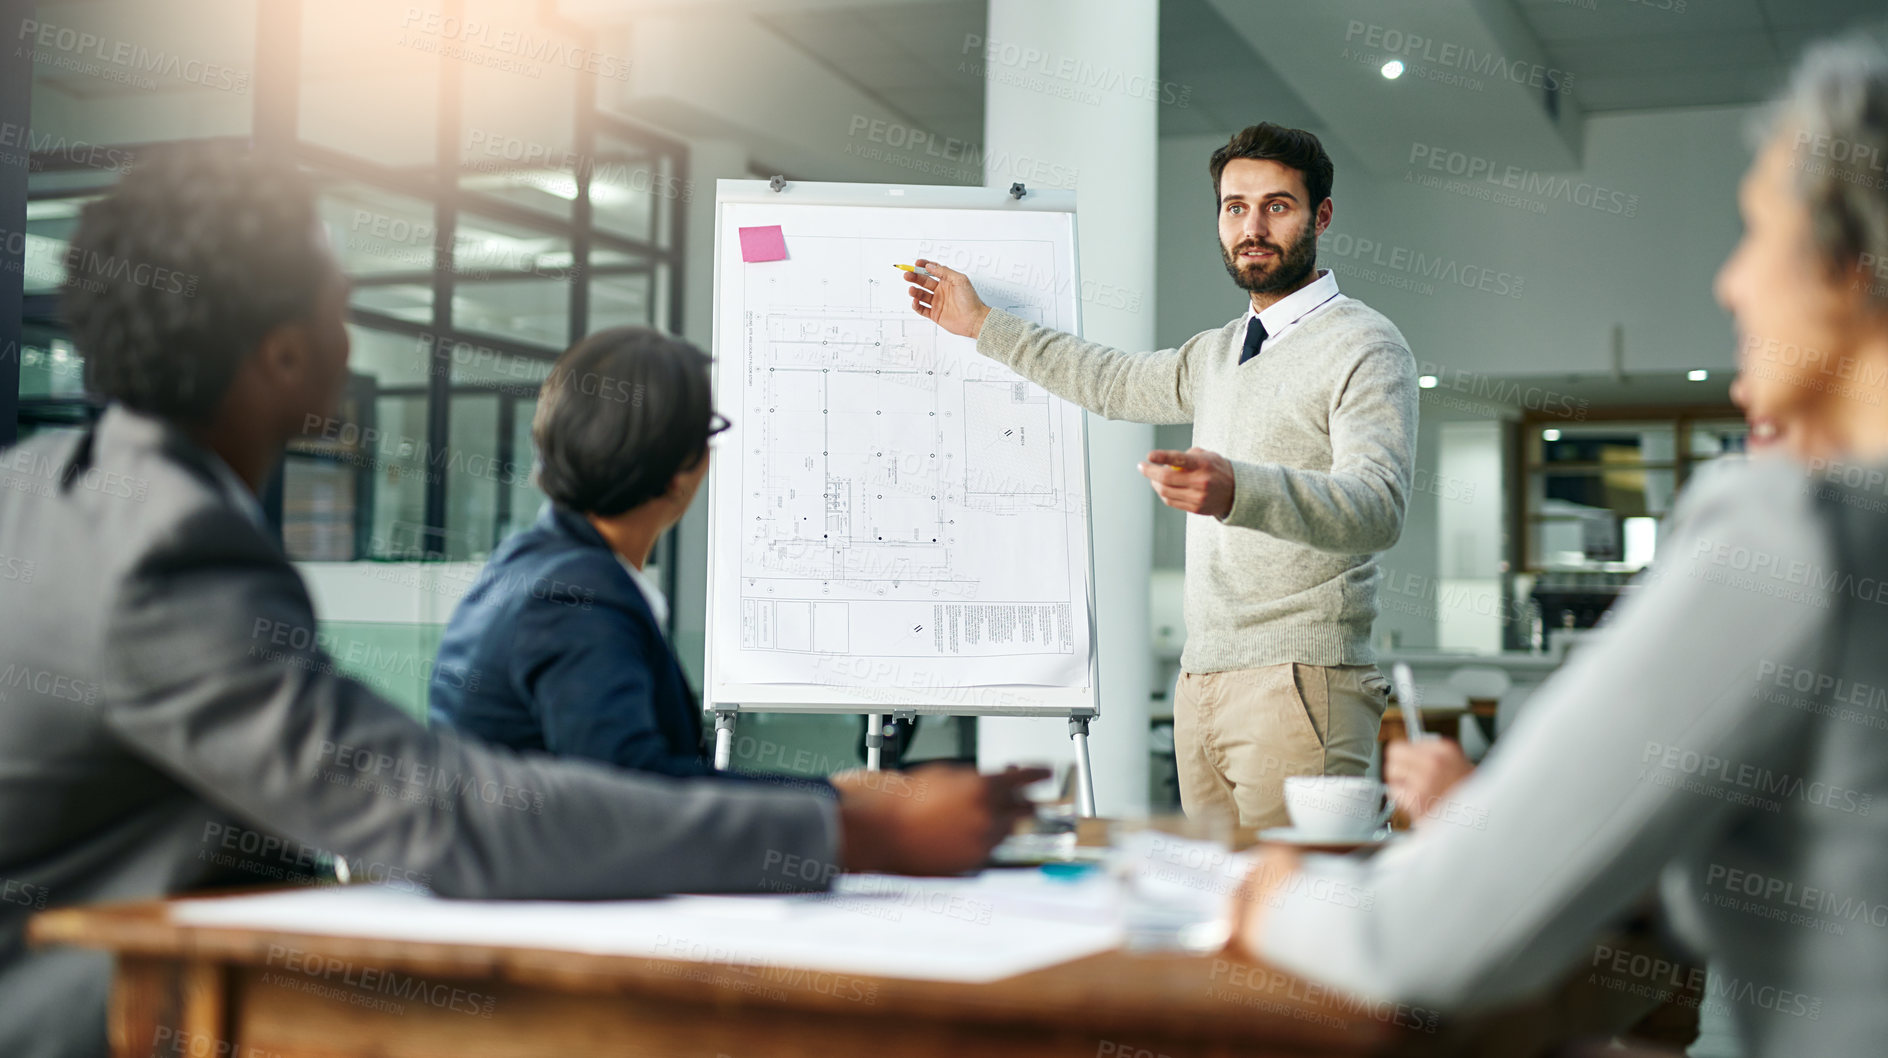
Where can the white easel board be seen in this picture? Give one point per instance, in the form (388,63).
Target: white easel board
(896,523)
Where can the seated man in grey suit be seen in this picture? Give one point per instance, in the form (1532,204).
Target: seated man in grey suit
(161,688)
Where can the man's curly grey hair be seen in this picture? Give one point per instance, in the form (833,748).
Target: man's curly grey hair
(1835,116)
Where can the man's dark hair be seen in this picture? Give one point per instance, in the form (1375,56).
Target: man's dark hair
(174,277)
(623,411)
(1290,147)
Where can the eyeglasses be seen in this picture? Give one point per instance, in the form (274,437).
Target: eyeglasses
(718,424)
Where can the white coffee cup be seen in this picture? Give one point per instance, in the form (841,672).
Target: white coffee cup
(1337,807)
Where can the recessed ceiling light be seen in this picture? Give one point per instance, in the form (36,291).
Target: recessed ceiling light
(1427,381)
(1392,69)
(1550,435)
(1698,375)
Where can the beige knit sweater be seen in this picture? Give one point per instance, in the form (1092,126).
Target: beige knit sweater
(1320,428)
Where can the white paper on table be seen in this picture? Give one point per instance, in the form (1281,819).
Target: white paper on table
(968,930)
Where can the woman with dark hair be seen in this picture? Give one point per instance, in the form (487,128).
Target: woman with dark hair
(559,645)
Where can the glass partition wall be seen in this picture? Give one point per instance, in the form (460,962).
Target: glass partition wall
(487,211)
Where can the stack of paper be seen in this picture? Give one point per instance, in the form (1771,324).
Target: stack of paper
(978,929)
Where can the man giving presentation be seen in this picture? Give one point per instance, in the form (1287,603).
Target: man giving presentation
(1304,424)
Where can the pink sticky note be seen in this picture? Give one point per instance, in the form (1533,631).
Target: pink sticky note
(763,244)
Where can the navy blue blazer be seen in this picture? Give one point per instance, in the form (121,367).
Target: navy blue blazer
(554,649)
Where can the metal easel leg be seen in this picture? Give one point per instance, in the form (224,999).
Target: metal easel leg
(1084,775)
(874,740)
(724,738)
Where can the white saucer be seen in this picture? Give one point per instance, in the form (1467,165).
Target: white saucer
(1291,836)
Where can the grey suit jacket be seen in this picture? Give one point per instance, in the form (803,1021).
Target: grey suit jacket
(168,721)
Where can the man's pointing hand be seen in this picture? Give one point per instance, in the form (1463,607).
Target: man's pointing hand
(1195,481)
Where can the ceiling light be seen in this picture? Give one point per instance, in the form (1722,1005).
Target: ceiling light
(1392,69)
(1427,381)
(1698,375)
(1550,435)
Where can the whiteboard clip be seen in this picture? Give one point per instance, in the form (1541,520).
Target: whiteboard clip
(1017,190)
(779,183)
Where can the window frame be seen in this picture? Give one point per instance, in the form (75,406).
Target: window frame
(1680,418)
(277,91)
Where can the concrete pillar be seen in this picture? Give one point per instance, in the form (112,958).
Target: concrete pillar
(1066,83)
(708,161)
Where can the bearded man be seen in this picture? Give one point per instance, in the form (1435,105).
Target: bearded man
(1304,424)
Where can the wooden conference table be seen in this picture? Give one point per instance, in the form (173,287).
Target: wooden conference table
(218,992)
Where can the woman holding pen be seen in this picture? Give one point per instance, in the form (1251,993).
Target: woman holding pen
(1726,736)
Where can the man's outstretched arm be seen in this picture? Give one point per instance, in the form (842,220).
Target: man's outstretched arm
(217,676)
(1139,387)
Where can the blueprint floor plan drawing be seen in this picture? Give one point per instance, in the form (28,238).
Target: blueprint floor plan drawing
(886,493)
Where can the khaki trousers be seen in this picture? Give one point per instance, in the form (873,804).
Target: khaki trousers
(1239,734)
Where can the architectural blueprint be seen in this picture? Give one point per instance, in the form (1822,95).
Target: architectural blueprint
(886,493)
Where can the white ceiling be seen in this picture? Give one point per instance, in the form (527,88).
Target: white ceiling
(1650,54)
(912,54)
(1625,54)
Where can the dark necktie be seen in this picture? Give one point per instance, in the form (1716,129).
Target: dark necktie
(1255,337)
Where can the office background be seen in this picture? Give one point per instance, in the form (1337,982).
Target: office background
(1538,201)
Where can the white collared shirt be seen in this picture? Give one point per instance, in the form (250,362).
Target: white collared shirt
(238,491)
(1294,308)
(650,594)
